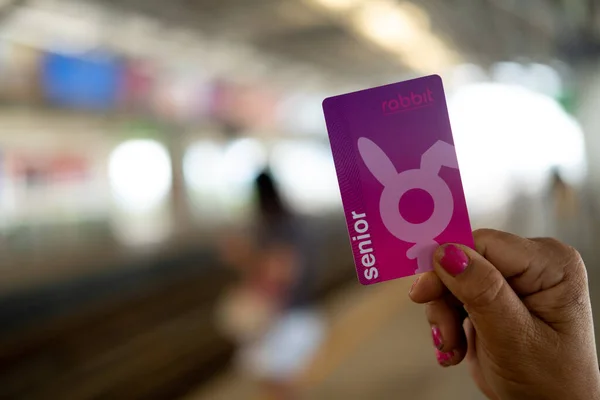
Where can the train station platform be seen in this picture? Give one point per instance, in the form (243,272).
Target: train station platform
(378,347)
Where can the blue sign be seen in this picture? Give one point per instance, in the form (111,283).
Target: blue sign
(83,83)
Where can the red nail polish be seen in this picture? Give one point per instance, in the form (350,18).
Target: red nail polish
(413,285)
(454,260)
(437,337)
(443,358)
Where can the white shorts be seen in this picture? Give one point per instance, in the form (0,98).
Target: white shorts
(287,348)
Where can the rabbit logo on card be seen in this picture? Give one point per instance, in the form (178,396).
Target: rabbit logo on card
(397,184)
(409,102)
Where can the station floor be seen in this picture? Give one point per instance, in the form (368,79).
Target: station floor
(379,347)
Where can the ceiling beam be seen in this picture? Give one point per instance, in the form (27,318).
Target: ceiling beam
(8,7)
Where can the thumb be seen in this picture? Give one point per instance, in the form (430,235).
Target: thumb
(493,307)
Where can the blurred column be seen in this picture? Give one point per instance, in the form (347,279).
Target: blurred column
(588,114)
(179,197)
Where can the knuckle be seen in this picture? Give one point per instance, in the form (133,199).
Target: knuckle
(479,234)
(486,290)
(577,279)
(571,261)
(432,310)
(563,257)
(576,266)
(483,236)
(574,259)
(557,247)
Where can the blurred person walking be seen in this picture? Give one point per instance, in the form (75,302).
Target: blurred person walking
(270,312)
(563,218)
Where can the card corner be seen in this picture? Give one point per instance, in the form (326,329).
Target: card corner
(326,103)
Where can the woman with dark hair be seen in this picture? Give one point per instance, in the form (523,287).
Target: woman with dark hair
(271,312)
(270,204)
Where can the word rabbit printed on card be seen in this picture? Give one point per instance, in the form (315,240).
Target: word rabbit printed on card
(398,175)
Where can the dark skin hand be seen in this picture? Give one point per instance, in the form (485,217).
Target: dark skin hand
(528,332)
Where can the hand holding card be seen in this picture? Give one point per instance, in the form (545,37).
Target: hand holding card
(399,178)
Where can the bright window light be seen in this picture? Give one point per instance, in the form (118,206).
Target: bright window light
(307,175)
(403,29)
(338,5)
(509,137)
(140,174)
(203,167)
(210,167)
(466,74)
(204,174)
(243,161)
(222,177)
(546,80)
(388,25)
(539,78)
(302,113)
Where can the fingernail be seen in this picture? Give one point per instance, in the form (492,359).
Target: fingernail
(413,285)
(443,358)
(454,260)
(437,337)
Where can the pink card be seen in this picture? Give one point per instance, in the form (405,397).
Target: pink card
(398,175)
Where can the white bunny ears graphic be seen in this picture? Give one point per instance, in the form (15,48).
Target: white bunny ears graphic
(397,184)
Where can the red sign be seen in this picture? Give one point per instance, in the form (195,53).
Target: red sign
(42,170)
(245,105)
(138,85)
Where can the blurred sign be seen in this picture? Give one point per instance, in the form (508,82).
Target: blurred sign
(36,170)
(173,93)
(255,107)
(222,98)
(83,83)
(139,81)
(245,106)
(53,188)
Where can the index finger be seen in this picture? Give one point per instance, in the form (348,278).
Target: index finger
(426,288)
(529,265)
(510,254)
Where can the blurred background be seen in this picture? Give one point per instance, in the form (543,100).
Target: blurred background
(142,259)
